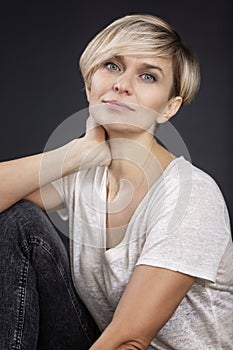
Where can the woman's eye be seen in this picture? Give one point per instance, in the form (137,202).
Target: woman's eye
(148,78)
(112,66)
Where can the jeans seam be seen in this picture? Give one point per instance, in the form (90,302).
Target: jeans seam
(82,322)
(21,306)
(39,242)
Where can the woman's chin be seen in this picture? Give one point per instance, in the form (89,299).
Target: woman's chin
(120,129)
(124,122)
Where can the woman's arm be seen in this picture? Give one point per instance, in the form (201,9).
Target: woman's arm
(47,198)
(150,298)
(20,178)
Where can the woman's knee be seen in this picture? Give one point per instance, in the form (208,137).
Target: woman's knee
(25,223)
(23,209)
(22,215)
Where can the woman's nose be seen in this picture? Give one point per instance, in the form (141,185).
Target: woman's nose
(123,85)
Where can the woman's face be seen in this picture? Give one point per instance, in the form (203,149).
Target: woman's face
(132,92)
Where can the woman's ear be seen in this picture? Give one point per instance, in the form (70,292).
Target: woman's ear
(87,89)
(171,109)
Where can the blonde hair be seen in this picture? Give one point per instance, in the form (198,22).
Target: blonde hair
(144,35)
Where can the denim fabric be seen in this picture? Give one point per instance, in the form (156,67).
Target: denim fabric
(39,307)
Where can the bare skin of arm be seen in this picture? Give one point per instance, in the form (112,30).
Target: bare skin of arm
(149,300)
(30,176)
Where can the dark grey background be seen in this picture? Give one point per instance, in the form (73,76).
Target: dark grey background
(41,83)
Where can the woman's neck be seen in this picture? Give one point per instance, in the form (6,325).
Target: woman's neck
(129,154)
(137,162)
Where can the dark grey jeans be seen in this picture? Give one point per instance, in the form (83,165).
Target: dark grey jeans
(39,307)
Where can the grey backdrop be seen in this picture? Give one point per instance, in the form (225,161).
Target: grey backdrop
(41,84)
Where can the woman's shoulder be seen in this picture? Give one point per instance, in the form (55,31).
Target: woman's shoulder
(206,185)
(190,196)
(182,171)
(186,185)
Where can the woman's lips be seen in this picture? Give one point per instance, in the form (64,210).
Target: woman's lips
(118,106)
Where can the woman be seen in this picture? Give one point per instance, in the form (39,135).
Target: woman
(151,249)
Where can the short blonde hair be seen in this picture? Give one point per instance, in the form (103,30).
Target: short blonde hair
(149,36)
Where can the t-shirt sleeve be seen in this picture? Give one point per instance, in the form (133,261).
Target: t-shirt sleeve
(189,238)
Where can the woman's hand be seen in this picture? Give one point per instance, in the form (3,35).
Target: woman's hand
(98,148)
(88,151)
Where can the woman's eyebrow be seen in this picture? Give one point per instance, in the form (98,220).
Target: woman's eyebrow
(150,66)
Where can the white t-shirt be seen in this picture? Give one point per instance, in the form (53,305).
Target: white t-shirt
(181,224)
